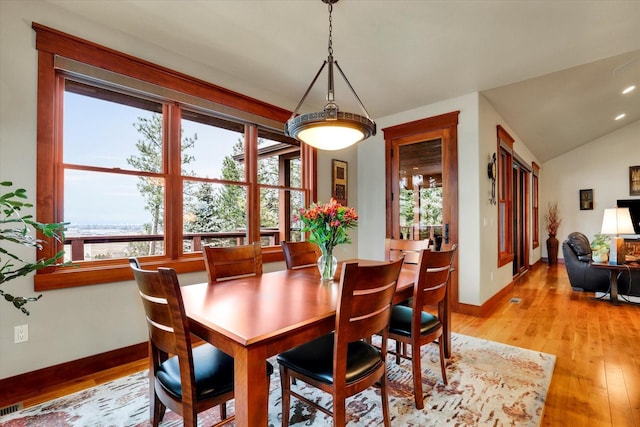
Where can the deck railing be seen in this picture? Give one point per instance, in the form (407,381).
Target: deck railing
(78,243)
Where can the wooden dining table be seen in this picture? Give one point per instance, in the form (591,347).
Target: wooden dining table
(254,318)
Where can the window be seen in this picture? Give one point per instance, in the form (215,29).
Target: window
(534,203)
(505,196)
(142,161)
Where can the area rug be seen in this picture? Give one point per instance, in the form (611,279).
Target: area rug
(490,384)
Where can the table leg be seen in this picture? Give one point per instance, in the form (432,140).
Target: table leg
(251,388)
(613,277)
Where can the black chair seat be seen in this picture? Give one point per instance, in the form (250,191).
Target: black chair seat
(400,322)
(213,372)
(315,359)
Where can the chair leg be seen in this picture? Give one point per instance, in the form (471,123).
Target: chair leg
(443,361)
(339,410)
(189,417)
(385,400)
(417,375)
(398,345)
(223,411)
(156,408)
(285,385)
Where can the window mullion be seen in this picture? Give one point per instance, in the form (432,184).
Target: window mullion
(172,169)
(251,176)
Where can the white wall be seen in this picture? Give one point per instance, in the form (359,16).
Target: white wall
(601,165)
(494,278)
(349,155)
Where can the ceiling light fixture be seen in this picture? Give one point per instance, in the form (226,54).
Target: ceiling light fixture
(620,116)
(330,129)
(628,89)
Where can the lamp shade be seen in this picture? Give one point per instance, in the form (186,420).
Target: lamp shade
(330,133)
(617,221)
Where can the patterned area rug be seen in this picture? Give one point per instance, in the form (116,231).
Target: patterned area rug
(490,384)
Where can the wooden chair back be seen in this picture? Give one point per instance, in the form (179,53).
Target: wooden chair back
(231,262)
(300,254)
(364,307)
(166,319)
(432,278)
(410,249)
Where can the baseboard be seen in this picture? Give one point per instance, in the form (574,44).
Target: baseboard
(489,306)
(24,386)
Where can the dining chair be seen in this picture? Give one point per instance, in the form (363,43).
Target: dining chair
(225,263)
(184,378)
(410,325)
(410,249)
(300,254)
(363,309)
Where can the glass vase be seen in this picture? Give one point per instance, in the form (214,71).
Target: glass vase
(327,265)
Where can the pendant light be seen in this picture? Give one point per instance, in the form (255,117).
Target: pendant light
(330,129)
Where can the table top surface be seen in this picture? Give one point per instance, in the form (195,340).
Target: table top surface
(253,309)
(625,266)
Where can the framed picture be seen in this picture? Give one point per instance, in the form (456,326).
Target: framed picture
(634,180)
(339,181)
(586,200)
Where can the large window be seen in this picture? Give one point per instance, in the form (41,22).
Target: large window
(140,161)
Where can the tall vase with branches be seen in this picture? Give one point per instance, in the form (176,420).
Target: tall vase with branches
(553,220)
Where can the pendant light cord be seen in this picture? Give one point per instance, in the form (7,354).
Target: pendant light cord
(330,47)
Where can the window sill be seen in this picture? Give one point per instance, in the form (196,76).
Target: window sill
(70,277)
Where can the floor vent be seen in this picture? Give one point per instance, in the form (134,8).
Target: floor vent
(10,409)
(516,300)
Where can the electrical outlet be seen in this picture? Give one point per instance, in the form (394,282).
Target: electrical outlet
(21,334)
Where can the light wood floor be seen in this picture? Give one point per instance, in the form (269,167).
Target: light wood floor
(596,381)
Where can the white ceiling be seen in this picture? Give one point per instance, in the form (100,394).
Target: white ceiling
(553,69)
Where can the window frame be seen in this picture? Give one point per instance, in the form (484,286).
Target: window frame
(505,196)
(52,44)
(535,212)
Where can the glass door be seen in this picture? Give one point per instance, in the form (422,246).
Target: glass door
(420,191)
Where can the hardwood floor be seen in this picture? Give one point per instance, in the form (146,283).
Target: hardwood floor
(596,381)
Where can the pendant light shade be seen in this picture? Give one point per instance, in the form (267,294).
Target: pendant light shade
(330,129)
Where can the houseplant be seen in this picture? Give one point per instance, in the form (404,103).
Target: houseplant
(16,228)
(553,220)
(327,226)
(600,248)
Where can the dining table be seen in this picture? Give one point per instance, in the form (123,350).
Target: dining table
(256,317)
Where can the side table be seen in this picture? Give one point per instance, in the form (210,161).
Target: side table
(614,270)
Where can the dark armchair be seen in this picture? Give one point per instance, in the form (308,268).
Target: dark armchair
(577,259)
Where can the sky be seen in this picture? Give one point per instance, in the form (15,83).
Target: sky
(102,133)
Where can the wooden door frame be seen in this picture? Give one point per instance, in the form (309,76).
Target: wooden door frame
(444,127)
(521,204)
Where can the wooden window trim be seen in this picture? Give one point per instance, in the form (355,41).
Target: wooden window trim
(535,211)
(51,43)
(505,195)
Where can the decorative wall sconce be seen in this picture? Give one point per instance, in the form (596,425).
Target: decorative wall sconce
(492,171)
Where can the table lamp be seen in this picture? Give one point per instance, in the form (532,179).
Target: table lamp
(617,221)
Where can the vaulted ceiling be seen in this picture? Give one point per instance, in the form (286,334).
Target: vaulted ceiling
(554,70)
